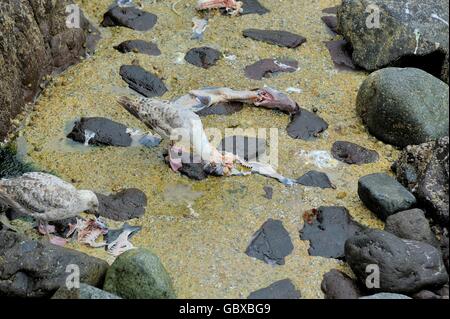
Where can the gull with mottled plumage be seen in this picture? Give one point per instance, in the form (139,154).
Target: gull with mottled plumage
(46,197)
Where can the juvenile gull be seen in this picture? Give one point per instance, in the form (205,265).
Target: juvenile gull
(45,197)
(177,119)
(181,125)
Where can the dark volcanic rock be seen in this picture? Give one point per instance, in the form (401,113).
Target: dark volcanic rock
(35,42)
(412,163)
(84,292)
(306,125)
(340,53)
(411,224)
(424,170)
(433,185)
(331,22)
(129,17)
(125,205)
(251,7)
(277,37)
(192,167)
(266,68)
(100,131)
(352,153)
(315,179)
(193,171)
(337,285)
(138,46)
(412,33)
(142,81)
(31,268)
(283,289)
(404,106)
(222,108)
(383,195)
(271,243)
(328,232)
(405,266)
(248,148)
(203,57)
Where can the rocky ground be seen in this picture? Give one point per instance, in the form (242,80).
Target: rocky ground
(369,151)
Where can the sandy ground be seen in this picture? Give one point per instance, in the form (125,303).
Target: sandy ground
(204,251)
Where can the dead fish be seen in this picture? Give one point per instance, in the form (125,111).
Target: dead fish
(88,231)
(117,240)
(266,97)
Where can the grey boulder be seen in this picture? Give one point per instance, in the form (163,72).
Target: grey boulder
(404,106)
(405,266)
(83,292)
(383,195)
(139,274)
(411,224)
(30,268)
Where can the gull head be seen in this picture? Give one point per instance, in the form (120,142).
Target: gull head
(89,201)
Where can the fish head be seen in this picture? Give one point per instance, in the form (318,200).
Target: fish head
(273,99)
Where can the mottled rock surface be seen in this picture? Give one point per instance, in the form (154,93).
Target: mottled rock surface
(411,33)
(139,274)
(35,42)
(30,268)
(411,224)
(424,170)
(404,106)
(405,266)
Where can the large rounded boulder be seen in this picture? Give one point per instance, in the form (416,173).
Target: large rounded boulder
(404,106)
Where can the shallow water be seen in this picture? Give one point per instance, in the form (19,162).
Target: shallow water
(200,230)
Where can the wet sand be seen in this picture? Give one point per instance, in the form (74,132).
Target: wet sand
(204,251)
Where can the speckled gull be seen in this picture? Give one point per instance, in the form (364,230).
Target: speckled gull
(45,197)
